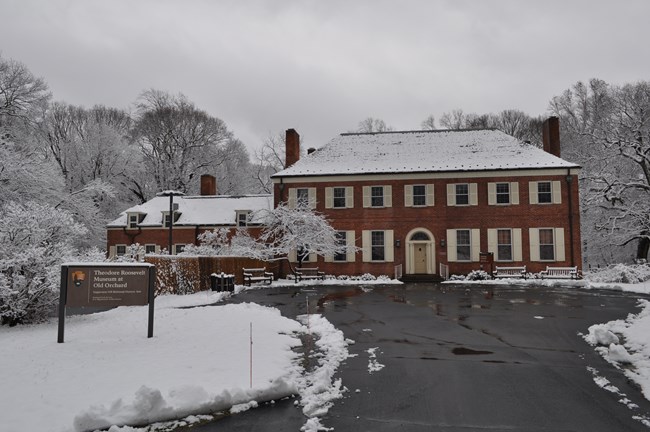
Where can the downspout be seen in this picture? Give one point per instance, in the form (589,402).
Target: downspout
(569,181)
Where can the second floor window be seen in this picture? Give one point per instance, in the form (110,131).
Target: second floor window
(503,193)
(338,197)
(302,197)
(419,195)
(377,196)
(544,193)
(462,194)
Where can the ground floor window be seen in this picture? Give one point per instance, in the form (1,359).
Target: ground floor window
(179,248)
(150,248)
(463,245)
(342,243)
(378,244)
(504,245)
(546,244)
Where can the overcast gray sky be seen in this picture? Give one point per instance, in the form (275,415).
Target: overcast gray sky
(323,66)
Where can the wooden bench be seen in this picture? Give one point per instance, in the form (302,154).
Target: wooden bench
(503,272)
(256,275)
(560,273)
(302,273)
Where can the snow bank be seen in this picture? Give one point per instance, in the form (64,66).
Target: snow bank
(634,351)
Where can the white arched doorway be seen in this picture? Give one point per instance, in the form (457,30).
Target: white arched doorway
(420,252)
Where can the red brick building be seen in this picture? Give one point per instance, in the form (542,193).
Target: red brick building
(425,198)
(148,224)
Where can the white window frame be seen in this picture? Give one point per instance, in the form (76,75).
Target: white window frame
(177,246)
(409,195)
(556,192)
(559,253)
(387,196)
(293,197)
(513,195)
(472,189)
(475,245)
(245,214)
(366,240)
(515,238)
(117,249)
(156,248)
(349,197)
(132,224)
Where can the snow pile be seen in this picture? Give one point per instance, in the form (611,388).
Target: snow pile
(373,364)
(634,351)
(317,387)
(109,373)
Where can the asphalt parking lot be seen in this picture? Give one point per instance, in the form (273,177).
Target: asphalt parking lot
(461,358)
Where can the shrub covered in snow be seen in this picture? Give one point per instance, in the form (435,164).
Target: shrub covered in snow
(478,275)
(36,238)
(621,273)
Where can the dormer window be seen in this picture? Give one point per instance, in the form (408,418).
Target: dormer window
(165,220)
(133,219)
(243,218)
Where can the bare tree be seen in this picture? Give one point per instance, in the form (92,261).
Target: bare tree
(429,123)
(371,125)
(22,95)
(610,129)
(454,120)
(177,140)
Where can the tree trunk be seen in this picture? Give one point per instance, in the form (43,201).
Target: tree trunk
(642,248)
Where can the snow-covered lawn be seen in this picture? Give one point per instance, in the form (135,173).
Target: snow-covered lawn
(109,373)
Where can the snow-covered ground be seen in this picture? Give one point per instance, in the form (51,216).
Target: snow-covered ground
(198,363)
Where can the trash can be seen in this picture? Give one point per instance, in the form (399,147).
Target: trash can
(222,282)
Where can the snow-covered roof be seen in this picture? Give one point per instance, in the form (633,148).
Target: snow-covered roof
(423,151)
(197,210)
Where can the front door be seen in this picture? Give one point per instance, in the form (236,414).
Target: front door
(420,258)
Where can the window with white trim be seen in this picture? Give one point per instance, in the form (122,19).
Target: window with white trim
(503,193)
(544,193)
(338,197)
(462,194)
(377,245)
(504,245)
(134,219)
(419,195)
(120,249)
(379,196)
(243,217)
(179,248)
(546,244)
(342,243)
(302,197)
(150,248)
(463,245)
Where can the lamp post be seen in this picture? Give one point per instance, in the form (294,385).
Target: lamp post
(171,194)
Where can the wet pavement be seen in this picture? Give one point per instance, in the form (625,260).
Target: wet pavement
(460,358)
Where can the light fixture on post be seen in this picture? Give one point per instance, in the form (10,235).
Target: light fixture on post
(443,243)
(171,194)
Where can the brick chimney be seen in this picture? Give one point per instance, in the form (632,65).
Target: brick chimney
(551,135)
(208,185)
(292,142)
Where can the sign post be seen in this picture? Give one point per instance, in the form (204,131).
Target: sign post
(105,285)
(487,258)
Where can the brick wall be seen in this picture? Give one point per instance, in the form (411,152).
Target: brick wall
(440,217)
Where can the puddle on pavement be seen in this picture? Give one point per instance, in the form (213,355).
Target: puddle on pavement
(468,351)
(338,295)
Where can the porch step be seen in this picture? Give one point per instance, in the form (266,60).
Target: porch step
(421,278)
